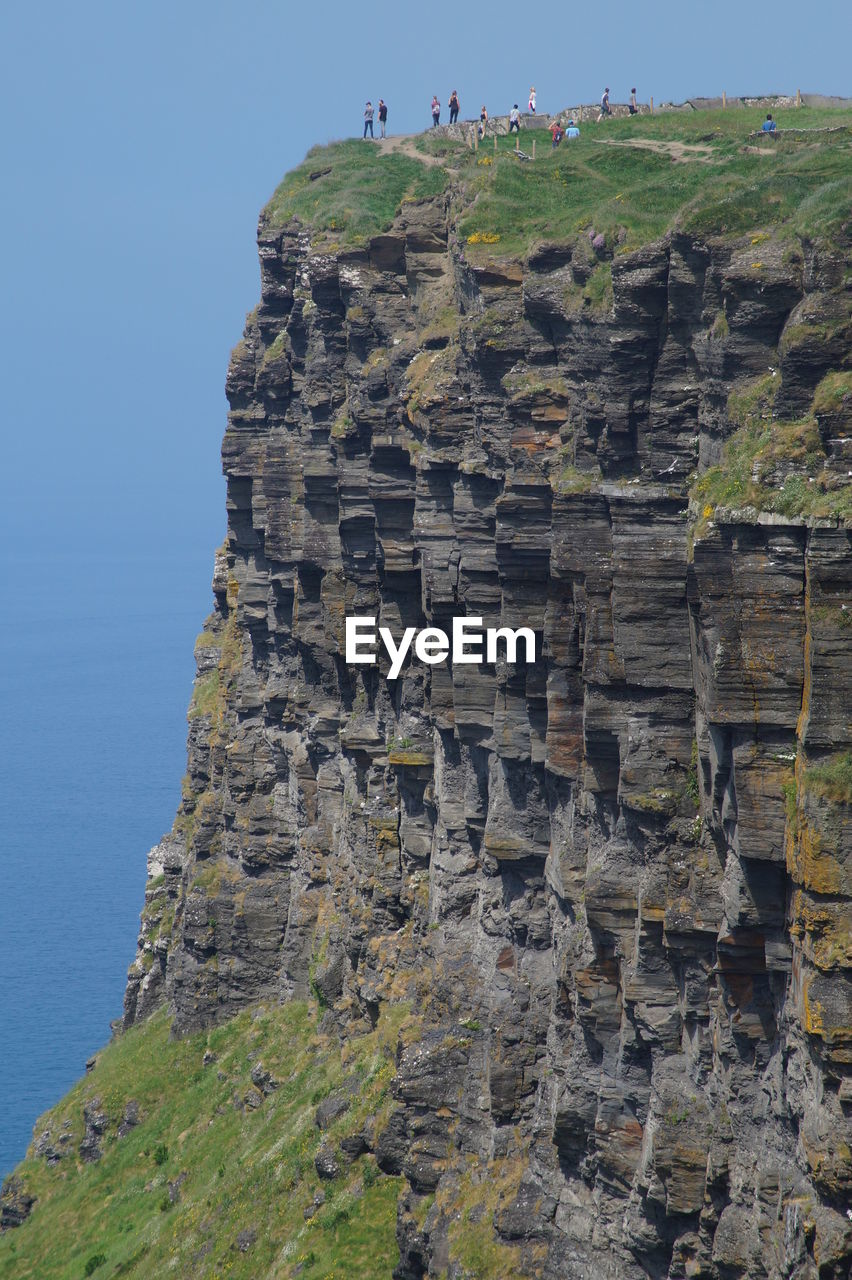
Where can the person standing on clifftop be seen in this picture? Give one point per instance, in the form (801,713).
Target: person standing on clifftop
(436,111)
(515,119)
(605,107)
(368,119)
(532,100)
(383,115)
(455,106)
(483,120)
(633,108)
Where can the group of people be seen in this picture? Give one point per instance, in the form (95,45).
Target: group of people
(606,109)
(383,118)
(557,132)
(453,104)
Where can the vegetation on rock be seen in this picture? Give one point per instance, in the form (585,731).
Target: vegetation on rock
(217,1175)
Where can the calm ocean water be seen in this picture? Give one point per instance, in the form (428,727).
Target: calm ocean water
(95,677)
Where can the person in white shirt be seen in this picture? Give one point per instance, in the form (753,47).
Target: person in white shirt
(515,119)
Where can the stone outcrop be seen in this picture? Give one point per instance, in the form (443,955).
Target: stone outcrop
(607,882)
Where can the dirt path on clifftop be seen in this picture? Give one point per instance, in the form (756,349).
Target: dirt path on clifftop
(403,143)
(679,151)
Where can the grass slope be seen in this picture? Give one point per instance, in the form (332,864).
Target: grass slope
(238,1168)
(633,193)
(352,189)
(629,179)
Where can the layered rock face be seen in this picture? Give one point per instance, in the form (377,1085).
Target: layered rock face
(617,906)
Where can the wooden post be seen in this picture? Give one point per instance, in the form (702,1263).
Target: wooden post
(517,142)
(495,144)
(533,148)
(798,97)
(724,99)
(652,106)
(476,139)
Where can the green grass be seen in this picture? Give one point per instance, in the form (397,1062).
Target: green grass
(799,184)
(834,394)
(759,451)
(634,195)
(360,194)
(205,695)
(833,780)
(246,1169)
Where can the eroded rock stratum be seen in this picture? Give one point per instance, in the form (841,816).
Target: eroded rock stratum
(614,886)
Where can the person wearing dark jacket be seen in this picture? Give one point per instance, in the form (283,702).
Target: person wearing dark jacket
(383,115)
(454,106)
(368,119)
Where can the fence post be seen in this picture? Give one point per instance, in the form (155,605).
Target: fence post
(533,148)
(798,97)
(652,106)
(495,144)
(724,99)
(517,142)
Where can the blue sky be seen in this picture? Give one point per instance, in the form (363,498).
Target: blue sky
(140,141)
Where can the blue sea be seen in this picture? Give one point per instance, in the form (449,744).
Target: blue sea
(95,676)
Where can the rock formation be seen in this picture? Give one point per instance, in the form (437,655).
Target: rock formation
(614,885)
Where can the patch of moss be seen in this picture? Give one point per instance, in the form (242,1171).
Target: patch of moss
(480,1195)
(429,378)
(205,695)
(768,465)
(276,348)
(659,802)
(720,328)
(833,393)
(832,780)
(569,480)
(597,293)
(692,789)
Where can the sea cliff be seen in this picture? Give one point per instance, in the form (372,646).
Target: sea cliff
(604,896)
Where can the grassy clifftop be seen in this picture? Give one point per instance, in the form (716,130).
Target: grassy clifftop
(630,179)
